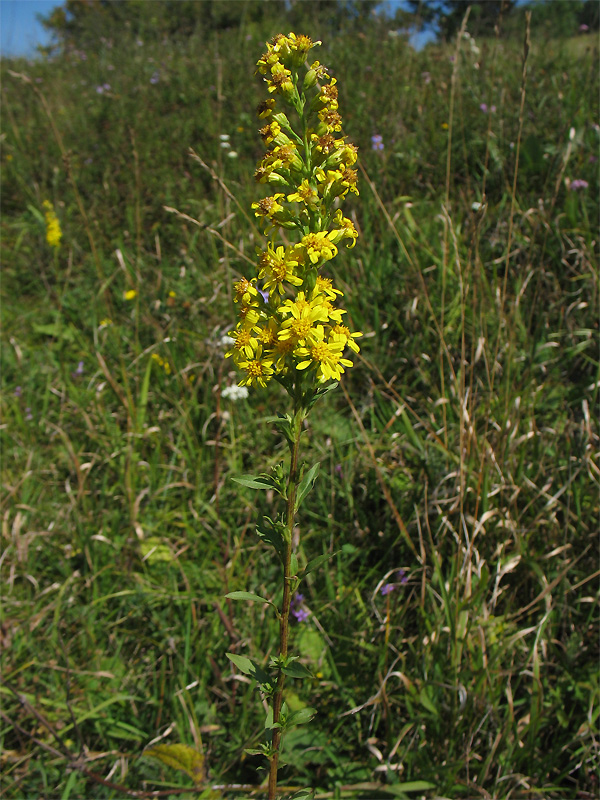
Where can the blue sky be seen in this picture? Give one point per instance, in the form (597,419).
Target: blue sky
(20,31)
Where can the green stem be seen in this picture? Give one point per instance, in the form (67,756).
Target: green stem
(292,486)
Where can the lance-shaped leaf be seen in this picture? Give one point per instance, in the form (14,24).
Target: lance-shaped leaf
(249,667)
(248,596)
(297,670)
(310,400)
(316,562)
(255,482)
(180,756)
(272,533)
(306,484)
(300,717)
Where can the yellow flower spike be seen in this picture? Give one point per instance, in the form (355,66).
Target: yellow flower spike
(53,231)
(296,324)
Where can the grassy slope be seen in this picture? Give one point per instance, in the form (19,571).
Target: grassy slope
(460,450)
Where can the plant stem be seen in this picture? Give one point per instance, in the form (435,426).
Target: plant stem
(292,486)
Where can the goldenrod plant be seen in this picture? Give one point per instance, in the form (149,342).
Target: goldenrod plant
(290,328)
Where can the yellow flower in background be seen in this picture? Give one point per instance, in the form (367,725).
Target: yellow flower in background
(130,294)
(53,231)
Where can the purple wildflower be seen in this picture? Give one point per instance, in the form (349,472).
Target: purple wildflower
(583,28)
(28,414)
(18,391)
(301,614)
(377,142)
(402,576)
(79,370)
(387,588)
(426,76)
(483,107)
(578,184)
(155,77)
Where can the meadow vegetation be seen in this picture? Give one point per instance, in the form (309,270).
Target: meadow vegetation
(453,633)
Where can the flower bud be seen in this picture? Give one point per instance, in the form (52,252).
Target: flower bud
(310,281)
(310,80)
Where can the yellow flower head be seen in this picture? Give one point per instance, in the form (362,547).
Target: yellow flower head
(326,356)
(281,80)
(268,206)
(130,294)
(319,247)
(245,291)
(305,194)
(258,368)
(299,326)
(278,266)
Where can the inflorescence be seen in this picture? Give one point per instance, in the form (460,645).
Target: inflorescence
(288,319)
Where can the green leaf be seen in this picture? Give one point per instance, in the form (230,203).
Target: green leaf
(272,535)
(180,756)
(427,703)
(247,596)
(260,482)
(241,662)
(269,720)
(56,330)
(249,667)
(306,484)
(303,794)
(254,752)
(301,717)
(399,789)
(316,562)
(321,392)
(297,670)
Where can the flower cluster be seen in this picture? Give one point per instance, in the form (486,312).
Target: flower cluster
(53,231)
(288,320)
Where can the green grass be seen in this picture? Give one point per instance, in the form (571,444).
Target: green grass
(461,448)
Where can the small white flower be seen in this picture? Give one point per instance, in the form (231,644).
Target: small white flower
(235,393)
(232,154)
(224,137)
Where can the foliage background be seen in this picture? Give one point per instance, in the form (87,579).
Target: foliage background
(462,448)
